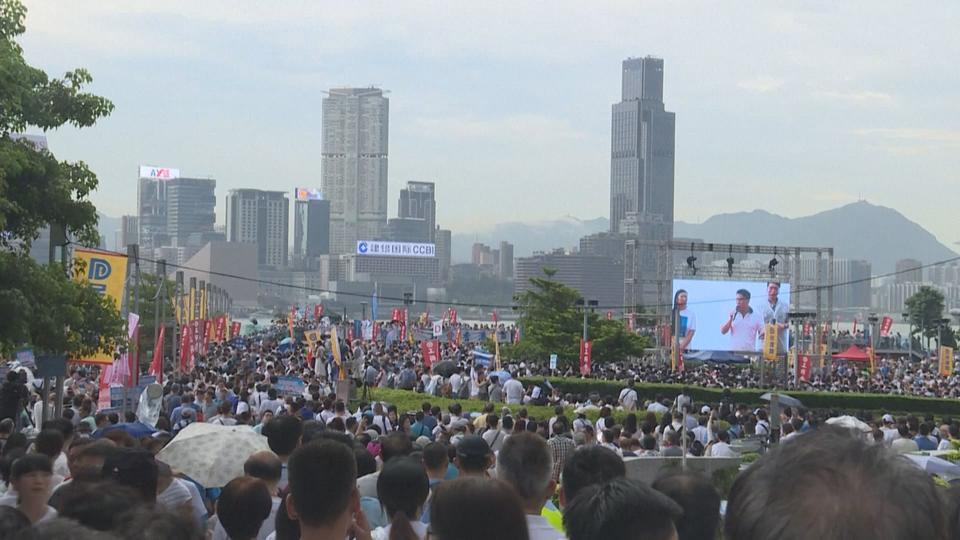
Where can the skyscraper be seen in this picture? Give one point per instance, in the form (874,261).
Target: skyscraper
(642,147)
(127,234)
(354,165)
(191,210)
(260,217)
(505,269)
(418,201)
(311,225)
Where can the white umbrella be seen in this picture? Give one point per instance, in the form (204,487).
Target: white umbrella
(212,454)
(850,422)
(935,465)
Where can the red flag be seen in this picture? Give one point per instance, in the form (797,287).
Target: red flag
(156,367)
(885,325)
(459,337)
(375,331)
(586,347)
(431,353)
(494,316)
(396,315)
(803,368)
(453,316)
(186,354)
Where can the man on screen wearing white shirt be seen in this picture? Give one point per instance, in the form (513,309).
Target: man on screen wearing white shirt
(744,325)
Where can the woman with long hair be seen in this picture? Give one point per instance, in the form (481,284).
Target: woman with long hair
(402,488)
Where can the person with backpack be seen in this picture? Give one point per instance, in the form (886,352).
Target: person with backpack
(408,377)
(628,397)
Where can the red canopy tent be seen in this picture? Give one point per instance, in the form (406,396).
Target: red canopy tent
(854,354)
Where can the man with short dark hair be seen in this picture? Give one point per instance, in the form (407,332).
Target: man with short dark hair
(266,467)
(435,460)
(622,508)
(588,466)
(561,445)
(700,502)
(284,434)
(860,491)
(323,493)
(525,463)
(474,456)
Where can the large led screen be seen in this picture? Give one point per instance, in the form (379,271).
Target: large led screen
(729,315)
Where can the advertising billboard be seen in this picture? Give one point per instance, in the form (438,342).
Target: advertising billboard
(729,315)
(396,249)
(307,194)
(158,173)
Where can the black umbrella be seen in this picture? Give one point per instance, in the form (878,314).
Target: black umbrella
(445,368)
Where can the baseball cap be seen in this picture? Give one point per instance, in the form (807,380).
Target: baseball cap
(473,446)
(888,419)
(705,409)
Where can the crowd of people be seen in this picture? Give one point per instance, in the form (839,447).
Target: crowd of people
(336,469)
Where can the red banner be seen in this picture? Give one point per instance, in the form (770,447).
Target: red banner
(459,338)
(806,328)
(186,351)
(431,353)
(453,316)
(494,316)
(196,339)
(221,328)
(350,335)
(207,334)
(854,332)
(804,365)
(375,331)
(395,316)
(632,322)
(586,348)
(156,367)
(885,325)
(317,312)
(235,329)
(609,315)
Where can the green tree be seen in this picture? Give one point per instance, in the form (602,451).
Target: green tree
(551,323)
(43,306)
(925,310)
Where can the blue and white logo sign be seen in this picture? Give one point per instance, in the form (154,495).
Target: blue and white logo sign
(396,249)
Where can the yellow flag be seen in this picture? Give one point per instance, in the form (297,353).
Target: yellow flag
(107,273)
(770,342)
(335,350)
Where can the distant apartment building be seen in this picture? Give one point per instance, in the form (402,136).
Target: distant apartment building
(354,151)
(311,227)
(909,271)
(595,278)
(261,218)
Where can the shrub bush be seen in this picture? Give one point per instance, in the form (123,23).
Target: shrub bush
(751,396)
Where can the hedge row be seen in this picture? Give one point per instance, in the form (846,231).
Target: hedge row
(410,401)
(751,396)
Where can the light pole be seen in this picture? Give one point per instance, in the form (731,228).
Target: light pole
(941,323)
(909,335)
(584,305)
(363,305)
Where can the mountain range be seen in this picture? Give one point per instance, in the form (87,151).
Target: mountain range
(858,230)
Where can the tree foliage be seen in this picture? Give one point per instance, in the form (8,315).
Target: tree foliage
(42,306)
(551,322)
(925,310)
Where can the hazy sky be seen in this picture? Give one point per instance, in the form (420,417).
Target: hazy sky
(794,107)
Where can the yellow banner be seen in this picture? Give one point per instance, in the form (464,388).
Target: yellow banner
(312,337)
(946,361)
(192,308)
(770,342)
(335,350)
(107,273)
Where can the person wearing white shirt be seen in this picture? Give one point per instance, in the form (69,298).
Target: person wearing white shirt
(513,389)
(30,481)
(744,325)
(722,447)
(455,381)
(628,397)
(271,404)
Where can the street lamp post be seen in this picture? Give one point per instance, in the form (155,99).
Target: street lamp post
(363,305)
(909,335)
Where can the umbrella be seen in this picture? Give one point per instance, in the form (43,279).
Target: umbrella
(137,430)
(286,341)
(502,374)
(212,455)
(850,422)
(445,368)
(785,400)
(935,465)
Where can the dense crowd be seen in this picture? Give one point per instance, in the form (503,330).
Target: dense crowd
(320,467)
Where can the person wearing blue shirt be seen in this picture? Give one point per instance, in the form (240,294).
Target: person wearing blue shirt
(924,441)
